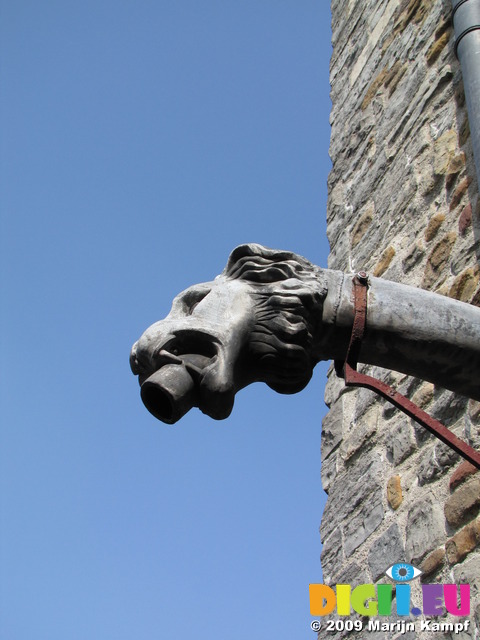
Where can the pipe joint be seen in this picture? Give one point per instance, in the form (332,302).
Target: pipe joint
(466,18)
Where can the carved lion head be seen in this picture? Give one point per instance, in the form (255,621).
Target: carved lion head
(255,322)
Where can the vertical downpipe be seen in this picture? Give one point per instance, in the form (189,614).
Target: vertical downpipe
(466,23)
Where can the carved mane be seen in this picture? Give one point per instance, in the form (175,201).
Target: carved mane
(289,292)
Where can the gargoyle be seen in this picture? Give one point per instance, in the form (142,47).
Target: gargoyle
(271,315)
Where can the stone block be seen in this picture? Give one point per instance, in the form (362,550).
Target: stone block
(437,47)
(468,572)
(362,225)
(364,399)
(444,150)
(461,474)
(435,462)
(438,259)
(464,132)
(362,525)
(442,250)
(385,551)
(332,557)
(352,574)
(463,542)
(445,456)
(428,469)
(433,226)
(457,163)
(329,471)
(465,284)
(384,262)
(394,492)
(465,220)
(432,563)
(394,75)
(335,387)
(476,298)
(374,86)
(413,11)
(472,432)
(413,257)
(360,440)
(474,411)
(464,504)
(424,395)
(363,428)
(459,192)
(448,407)
(332,429)
(401,443)
(425,530)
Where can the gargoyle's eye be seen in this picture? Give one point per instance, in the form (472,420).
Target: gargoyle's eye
(403,572)
(192,297)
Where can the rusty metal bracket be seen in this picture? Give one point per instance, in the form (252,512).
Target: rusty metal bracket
(353,378)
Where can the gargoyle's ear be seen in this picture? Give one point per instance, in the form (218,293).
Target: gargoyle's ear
(256,263)
(240,252)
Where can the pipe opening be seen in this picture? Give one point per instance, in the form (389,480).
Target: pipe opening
(169,393)
(158,403)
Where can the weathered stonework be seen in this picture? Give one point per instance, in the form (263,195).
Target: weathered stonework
(403,203)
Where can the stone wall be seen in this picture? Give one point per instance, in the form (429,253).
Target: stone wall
(402,205)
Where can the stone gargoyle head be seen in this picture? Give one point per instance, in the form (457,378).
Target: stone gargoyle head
(271,315)
(254,322)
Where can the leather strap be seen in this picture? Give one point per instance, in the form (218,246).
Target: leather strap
(353,378)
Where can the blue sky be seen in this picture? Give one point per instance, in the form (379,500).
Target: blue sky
(140,143)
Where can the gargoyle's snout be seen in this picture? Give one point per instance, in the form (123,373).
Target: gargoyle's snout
(169,393)
(195,356)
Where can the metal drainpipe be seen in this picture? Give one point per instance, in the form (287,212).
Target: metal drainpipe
(466,23)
